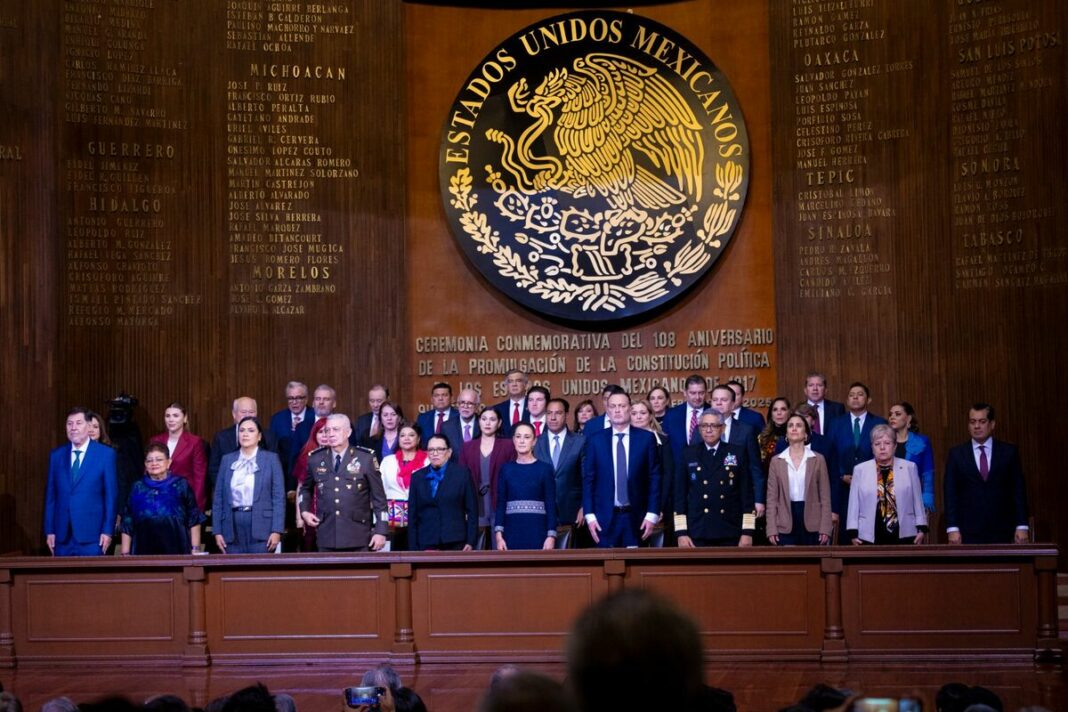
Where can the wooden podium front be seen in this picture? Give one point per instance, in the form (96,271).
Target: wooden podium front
(844,604)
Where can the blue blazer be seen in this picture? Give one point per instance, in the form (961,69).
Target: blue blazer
(86,506)
(599,479)
(846,457)
(985,512)
(918,451)
(268,498)
(504,410)
(568,471)
(290,441)
(449,518)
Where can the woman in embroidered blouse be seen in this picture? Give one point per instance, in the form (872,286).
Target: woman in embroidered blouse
(161,515)
(526,498)
(248,511)
(396,471)
(915,448)
(799,491)
(768,439)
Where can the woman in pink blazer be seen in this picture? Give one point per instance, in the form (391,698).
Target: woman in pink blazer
(189,453)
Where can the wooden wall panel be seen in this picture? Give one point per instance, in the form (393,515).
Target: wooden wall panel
(188,173)
(449,298)
(113,611)
(257,612)
(29,248)
(950,118)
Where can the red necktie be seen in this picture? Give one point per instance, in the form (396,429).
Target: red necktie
(441,419)
(537,429)
(515,414)
(693,426)
(816,423)
(984,465)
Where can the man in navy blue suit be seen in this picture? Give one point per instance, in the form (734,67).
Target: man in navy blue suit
(826,410)
(291,427)
(746,415)
(513,410)
(82,492)
(985,495)
(433,421)
(680,422)
(621,480)
(742,436)
(851,438)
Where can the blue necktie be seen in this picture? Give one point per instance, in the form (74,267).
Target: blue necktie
(856,432)
(621,472)
(77,466)
(556,451)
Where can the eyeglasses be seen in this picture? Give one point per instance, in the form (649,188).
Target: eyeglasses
(155,460)
(437,449)
(296,398)
(465,403)
(710,426)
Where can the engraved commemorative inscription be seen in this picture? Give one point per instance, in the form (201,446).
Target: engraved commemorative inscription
(594,166)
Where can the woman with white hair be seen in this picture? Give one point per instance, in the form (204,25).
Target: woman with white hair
(886,498)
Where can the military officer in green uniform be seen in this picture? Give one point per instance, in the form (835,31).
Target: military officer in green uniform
(713,494)
(351,506)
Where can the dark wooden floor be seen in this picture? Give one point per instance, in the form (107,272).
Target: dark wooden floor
(757,688)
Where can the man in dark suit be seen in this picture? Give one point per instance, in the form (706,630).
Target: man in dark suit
(747,415)
(621,480)
(713,495)
(537,400)
(82,493)
(368,425)
(563,450)
(851,438)
(291,427)
(466,429)
(602,421)
(434,420)
(442,510)
(513,410)
(225,441)
(351,513)
(985,493)
(680,422)
(742,436)
(826,410)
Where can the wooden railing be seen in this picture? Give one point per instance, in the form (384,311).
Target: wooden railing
(827,604)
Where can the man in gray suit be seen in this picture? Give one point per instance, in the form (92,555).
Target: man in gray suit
(563,450)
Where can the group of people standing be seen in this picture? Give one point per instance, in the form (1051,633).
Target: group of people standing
(706,472)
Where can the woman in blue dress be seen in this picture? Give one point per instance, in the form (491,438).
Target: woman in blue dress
(915,448)
(161,515)
(526,498)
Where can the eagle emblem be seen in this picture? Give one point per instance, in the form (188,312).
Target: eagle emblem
(594,179)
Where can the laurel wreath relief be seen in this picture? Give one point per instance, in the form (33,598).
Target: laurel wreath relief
(555,286)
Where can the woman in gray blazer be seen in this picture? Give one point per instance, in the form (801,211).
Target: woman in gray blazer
(248,511)
(886,499)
